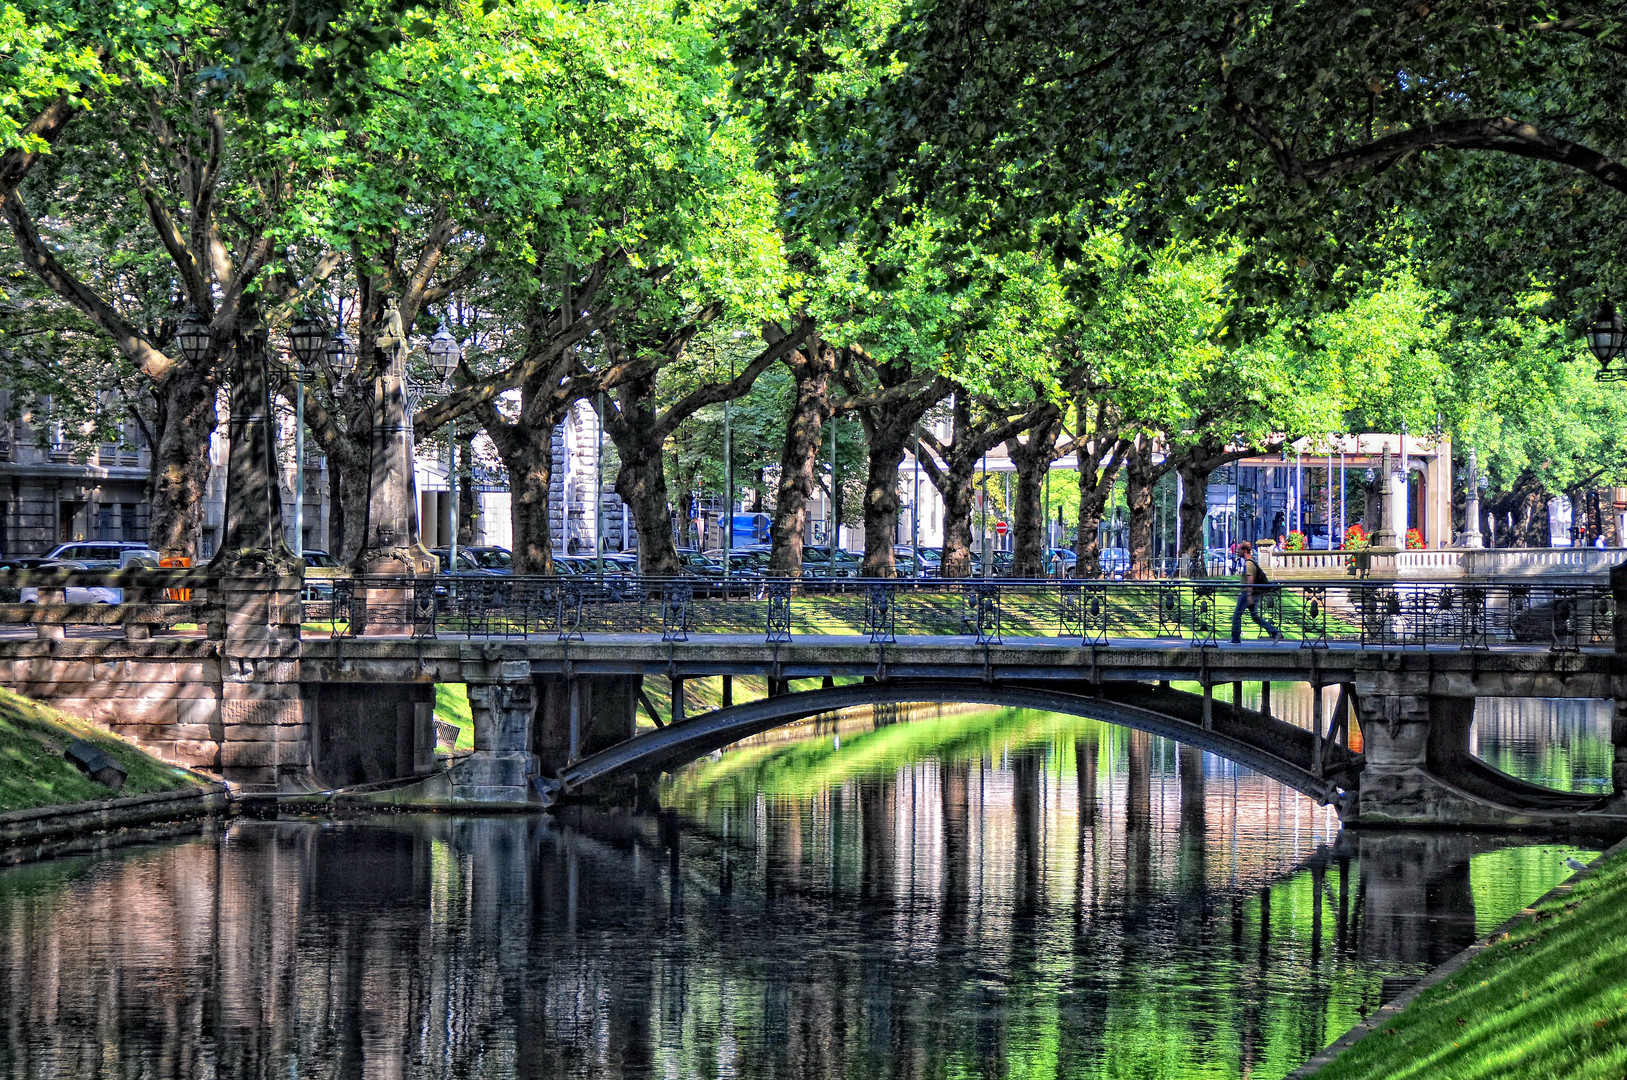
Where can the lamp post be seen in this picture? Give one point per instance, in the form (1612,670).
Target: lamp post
(834,522)
(309,336)
(915,506)
(444,354)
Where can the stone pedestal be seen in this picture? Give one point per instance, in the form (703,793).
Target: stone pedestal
(1471,537)
(393,547)
(503,701)
(266,740)
(255,583)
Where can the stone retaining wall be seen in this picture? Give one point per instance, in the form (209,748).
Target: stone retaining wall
(167,701)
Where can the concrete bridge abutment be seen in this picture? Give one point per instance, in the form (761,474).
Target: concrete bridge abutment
(528,726)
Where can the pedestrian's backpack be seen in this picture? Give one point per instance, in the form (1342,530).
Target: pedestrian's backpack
(1259,573)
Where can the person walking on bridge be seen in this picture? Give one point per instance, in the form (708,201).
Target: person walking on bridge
(1254,584)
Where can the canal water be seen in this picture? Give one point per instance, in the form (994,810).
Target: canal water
(973,894)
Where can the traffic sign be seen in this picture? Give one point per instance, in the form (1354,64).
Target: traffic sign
(1000,528)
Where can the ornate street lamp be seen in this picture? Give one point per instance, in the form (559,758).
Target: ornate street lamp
(1607,340)
(309,336)
(196,340)
(341,356)
(444,354)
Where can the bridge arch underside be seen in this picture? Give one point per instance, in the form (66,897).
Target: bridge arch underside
(1252,739)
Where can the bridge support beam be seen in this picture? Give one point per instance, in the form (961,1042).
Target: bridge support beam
(503,703)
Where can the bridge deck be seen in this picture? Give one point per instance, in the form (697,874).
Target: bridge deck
(1500,670)
(1506,670)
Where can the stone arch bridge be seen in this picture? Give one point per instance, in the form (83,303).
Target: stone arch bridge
(556,680)
(285,683)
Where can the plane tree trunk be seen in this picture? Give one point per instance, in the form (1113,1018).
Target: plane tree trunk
(889,415)
(1099,453)
(1032,458)
(952,468)
(811,368)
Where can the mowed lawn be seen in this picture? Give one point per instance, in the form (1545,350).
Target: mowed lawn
(1549,1000)
(34,773)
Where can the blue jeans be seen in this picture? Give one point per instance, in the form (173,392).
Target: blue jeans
(1250,601)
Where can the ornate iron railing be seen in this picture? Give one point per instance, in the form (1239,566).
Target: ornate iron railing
(1564,616)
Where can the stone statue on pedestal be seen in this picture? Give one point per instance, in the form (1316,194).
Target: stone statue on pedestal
(1470,538)
(1385,536)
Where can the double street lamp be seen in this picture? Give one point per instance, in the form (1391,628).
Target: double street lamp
(314,345)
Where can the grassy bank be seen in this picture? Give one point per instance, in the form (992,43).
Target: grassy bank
(34,773)
(452,707)
(1549,1000)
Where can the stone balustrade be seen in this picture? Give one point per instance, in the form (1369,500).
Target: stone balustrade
(1441,563)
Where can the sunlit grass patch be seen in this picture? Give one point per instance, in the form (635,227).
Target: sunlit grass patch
(452,706)
(34,773)
(1549,1000)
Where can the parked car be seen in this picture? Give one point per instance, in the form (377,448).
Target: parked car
(931,559)
(23,562)
(1219,562)
(742,564)
(816,563)
(498,560)
(625,562)
(320,570)
(1115,563)
(467,563)
(103,554)
(75,594)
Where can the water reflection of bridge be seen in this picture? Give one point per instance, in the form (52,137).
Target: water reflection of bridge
(952,917)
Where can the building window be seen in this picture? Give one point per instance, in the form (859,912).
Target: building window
(104,521)
(132,527)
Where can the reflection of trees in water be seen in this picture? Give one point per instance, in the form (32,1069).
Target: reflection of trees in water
(964,915)
(1562,743)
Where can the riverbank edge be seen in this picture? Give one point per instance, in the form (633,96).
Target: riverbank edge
(1393,1008)
(37,825)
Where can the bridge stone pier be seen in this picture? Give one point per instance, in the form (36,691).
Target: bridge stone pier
(503,705)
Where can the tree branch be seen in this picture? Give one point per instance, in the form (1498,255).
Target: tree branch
(135,347)
(712,393)
(46,126)
(1501,134)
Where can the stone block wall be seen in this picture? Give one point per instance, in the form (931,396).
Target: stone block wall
(168,705)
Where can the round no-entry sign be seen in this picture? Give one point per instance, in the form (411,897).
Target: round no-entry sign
(1000,528)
